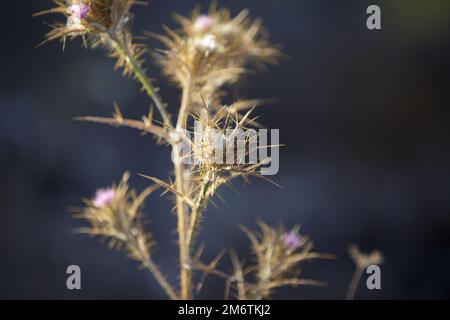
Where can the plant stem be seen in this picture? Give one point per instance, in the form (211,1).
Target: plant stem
(135,240)
(123,50)
(185,103)
(185,256)
(354,283)
(159,132)
(196,215)
(150,265)
(185,269)
(154,270)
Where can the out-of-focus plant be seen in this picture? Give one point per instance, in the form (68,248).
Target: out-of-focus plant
(203,58)
(362,262)
(278,256)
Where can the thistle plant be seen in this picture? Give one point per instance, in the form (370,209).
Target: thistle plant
(207,55)
(362,261)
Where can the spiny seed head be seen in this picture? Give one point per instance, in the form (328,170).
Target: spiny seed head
(115,213)
(279,256)
(276,248)
(216,160)
(89,18)
(214,50)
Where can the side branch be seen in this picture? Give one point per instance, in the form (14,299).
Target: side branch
(154,270)
(157,131)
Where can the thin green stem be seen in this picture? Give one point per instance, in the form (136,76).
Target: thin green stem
(141,76)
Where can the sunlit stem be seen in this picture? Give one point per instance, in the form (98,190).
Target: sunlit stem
(140,75)
(182,215)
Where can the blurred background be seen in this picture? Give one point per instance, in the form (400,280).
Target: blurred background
(364,116)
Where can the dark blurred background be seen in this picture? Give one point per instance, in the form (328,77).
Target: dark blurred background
(364,115)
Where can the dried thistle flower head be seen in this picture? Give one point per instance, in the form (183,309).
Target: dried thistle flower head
(215,141)
(106,24)
(213,50)
(89,18)
(279,255)
(114,213)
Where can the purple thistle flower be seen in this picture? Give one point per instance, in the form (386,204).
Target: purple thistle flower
(292,240)
(204,23)
(79,11)
(103,197)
